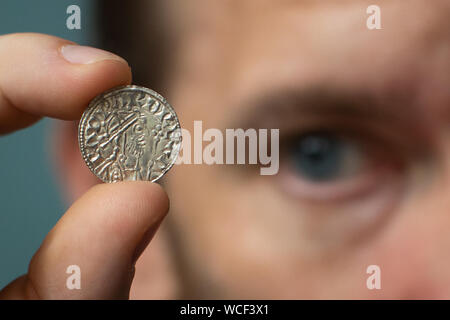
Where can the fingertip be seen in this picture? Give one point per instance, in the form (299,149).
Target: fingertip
(138,190)
(39,78)
(85,82)
(146,201)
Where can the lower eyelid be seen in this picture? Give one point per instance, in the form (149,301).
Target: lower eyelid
(335,192)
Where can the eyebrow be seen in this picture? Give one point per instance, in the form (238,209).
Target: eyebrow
(271,110)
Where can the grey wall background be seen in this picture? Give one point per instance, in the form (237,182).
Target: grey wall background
(30,203)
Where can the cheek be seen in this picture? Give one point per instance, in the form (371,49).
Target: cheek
(243,231)
(252,240)
(413,249)
(231,233)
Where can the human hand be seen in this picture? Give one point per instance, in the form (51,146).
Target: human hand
(106,229)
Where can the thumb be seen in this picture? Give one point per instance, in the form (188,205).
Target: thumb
(103,233)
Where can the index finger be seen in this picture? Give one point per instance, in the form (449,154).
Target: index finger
(42,75)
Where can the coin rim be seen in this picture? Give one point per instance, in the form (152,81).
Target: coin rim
(92,106)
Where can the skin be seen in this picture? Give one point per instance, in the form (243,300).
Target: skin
(254,236)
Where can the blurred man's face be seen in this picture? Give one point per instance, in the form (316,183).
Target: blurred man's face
(364,179)
(364,119)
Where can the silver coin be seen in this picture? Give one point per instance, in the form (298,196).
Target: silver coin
(129,133)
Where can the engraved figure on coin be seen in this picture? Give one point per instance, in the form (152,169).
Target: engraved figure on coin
(129,134)
(137,147)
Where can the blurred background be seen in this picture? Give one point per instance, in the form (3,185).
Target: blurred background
(30,200)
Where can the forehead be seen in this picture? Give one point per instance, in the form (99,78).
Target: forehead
(306,20)
(252,45)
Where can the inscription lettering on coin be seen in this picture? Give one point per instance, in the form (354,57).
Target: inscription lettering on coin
(129,133)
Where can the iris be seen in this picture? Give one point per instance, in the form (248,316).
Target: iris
(322,156)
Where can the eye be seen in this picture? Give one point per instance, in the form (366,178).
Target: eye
(321,157)
(138,128)
(328,166)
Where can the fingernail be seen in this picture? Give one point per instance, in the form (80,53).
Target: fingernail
(86,55)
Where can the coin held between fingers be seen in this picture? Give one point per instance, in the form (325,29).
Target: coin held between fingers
(129,133)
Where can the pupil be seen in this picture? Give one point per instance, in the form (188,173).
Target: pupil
(317,156)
